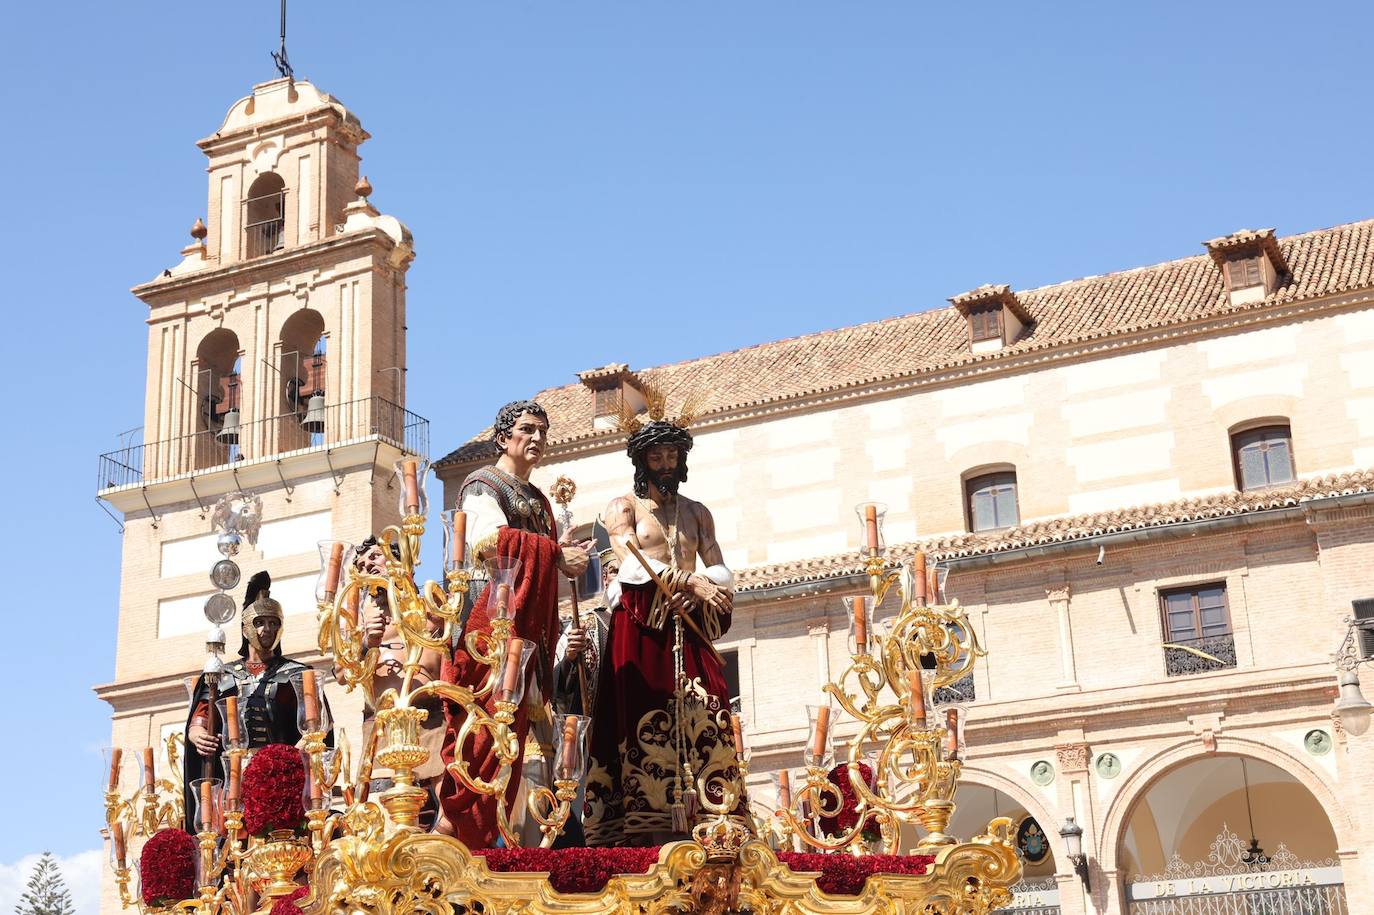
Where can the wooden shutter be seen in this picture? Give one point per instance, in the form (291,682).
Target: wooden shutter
(986,323)
(1245,272)
(1364,610)
(608,401)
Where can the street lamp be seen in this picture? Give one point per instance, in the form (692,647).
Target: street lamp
(1072,834)
(1352,707)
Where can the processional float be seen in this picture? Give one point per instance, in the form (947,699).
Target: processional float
(354,853)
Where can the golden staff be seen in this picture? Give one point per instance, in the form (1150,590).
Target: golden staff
(563,490)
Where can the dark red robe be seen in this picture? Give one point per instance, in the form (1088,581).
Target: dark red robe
(631,775)
(534,608)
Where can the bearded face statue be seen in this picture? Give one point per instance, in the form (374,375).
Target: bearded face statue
(659,454)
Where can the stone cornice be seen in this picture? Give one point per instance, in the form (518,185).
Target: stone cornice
(262,269)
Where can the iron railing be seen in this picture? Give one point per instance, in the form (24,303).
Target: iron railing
(372,417)
(1183,657)
(264,223)
(960,692)
(1328,899)
(264,237)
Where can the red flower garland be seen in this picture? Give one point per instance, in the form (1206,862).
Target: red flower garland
(843,821)
(845,875)
(587,870)
(286,905)
(167,867)
(572,870)
(272,787)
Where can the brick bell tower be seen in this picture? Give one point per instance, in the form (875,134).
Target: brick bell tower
(276,368)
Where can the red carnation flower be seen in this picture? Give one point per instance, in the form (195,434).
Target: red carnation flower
(272,788)
(286,905)
(843,821)
(572,870)
(167,867)
(845,875)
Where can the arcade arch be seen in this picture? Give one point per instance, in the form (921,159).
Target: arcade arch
(1224,834)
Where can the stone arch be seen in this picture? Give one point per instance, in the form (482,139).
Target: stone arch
(302,374)
(1048,818)
(264,215)
(1139,782)
(216,373)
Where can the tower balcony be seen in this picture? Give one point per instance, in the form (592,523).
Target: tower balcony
(316,439)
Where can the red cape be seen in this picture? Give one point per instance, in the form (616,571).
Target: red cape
(534,608)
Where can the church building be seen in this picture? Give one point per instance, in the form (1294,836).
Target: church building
(1154,492)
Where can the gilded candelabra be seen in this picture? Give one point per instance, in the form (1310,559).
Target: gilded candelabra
(373,859)
(427,617)
(888,689)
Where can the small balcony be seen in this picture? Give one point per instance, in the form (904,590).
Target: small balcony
(1185,657)
(960,692)
(331,427)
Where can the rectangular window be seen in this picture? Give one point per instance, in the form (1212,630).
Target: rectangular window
(1263,457)
(1364,613)
(731,657)
(986,323)
(608,401)
(1197,630)
(991,501)
(1245,272)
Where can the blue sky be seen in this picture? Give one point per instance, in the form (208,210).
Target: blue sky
(609,181)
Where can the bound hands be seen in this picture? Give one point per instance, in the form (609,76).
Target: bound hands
(700,591)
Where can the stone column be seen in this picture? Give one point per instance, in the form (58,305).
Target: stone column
(819,630)
(1075,796)
(1059,600)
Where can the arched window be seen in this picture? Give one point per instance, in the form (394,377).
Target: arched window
(218,395)
(265,215)
(303,377)
(990,501)
(1263,456)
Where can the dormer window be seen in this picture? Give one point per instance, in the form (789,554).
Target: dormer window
(985,323)
(1251,263)
(995,317)
(614,388)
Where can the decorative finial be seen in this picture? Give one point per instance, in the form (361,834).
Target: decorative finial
(198,231)
(363,188)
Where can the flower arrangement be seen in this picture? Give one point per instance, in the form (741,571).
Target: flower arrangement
(286,905)
(843,821)
(572,870)
(845,875)
(167,867)
(272,790)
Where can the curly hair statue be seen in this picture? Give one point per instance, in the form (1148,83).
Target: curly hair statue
(658,432)
(507,415)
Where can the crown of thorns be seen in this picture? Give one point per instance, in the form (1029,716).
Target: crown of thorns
(656,409)
(658,432)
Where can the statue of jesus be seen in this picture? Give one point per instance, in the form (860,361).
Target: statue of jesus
(661,721)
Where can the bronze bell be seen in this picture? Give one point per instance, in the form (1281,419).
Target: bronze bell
(313,421)
(228,433)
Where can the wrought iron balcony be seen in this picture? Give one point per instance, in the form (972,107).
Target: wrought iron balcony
(960,692)
(1199,656)
(372,418)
